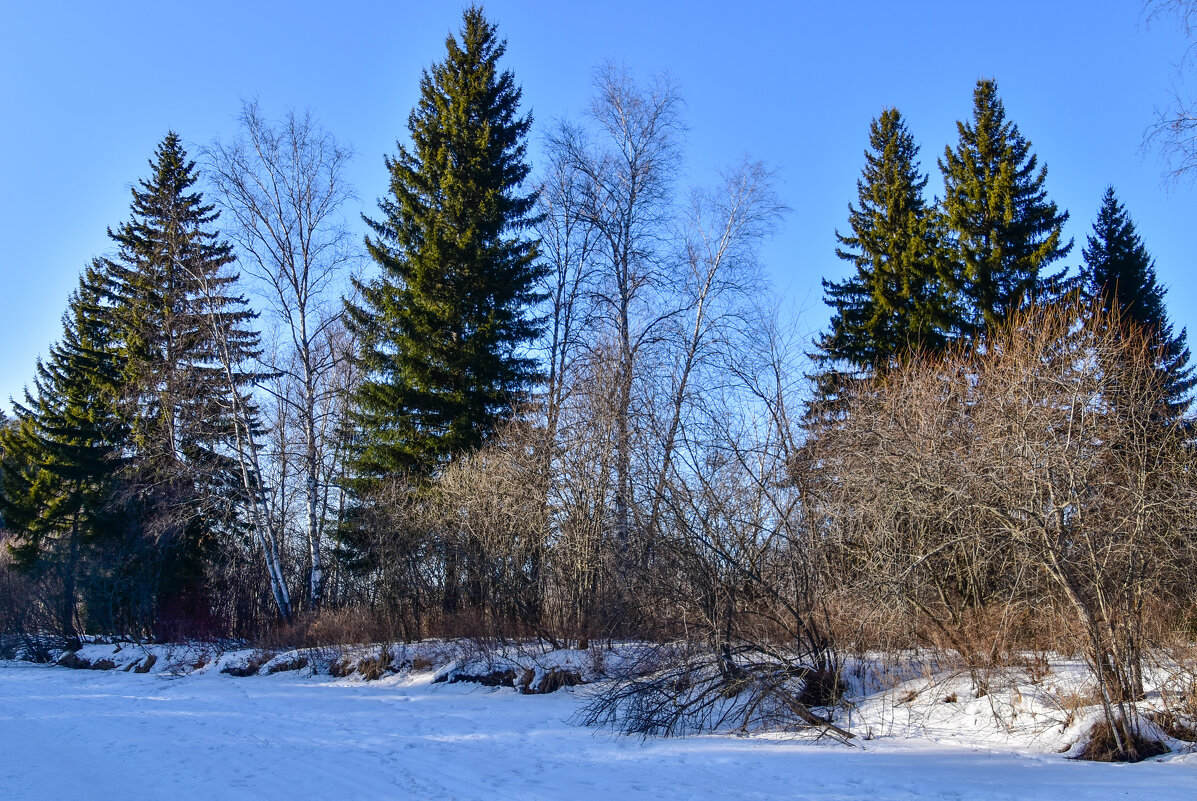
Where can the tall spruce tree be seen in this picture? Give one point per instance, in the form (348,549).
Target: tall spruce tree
(1004,230)
(185,338)
(1120,274)
(58,486)
(443,327)
(895,300)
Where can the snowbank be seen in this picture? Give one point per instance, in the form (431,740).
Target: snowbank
(182,731)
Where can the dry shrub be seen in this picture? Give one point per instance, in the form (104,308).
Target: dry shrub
(352,626)
(27,613)
(1037,476)
(1177,688)
(1074,702)
(470,622)
(1038,668)
(329,628)
(877,623)
(681,688)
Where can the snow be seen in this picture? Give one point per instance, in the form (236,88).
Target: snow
(182,731)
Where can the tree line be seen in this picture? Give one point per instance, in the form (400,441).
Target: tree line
(564,408)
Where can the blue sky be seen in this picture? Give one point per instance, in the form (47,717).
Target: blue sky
(88,89)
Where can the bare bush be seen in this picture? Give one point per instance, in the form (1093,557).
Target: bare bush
(1033,468)
(29,608)
(493,505)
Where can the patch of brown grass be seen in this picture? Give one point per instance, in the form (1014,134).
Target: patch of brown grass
(1102,746)
(373,668)
(329,628)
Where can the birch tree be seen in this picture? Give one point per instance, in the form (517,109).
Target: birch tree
(284,189)
(626,167)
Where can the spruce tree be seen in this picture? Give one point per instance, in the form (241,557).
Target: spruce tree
(184,337)
(444,327)
(1004,230)
(58,486)
(894,300)
(1119,273)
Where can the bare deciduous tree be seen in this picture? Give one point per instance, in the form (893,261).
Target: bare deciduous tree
(625,184)
(1174,131)
(720,287)
(283,186)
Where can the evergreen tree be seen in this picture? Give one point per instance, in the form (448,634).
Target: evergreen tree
(184,337)
(59,460)
(1004,230)
(443,328)
(1120,273)
(894,301)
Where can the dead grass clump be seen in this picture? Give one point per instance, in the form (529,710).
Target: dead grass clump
(1102,746)
(72,660)
(1173,726)
(295,663)
(250,668)
(373,668)
(550,682)
(1073,702)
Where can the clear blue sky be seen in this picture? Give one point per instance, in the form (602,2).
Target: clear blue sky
(88,89)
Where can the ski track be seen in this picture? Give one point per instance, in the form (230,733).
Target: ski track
(92,734)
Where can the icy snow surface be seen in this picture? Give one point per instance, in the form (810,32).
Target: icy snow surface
(113,734)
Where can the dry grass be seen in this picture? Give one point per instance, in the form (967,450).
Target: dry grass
(373,668)
(329,628)
(1073,702)
(1103,746)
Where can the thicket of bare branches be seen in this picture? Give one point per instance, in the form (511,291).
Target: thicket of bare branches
(1036,473)
(1027,495)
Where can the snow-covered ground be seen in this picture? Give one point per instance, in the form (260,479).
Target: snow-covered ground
(180,733)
